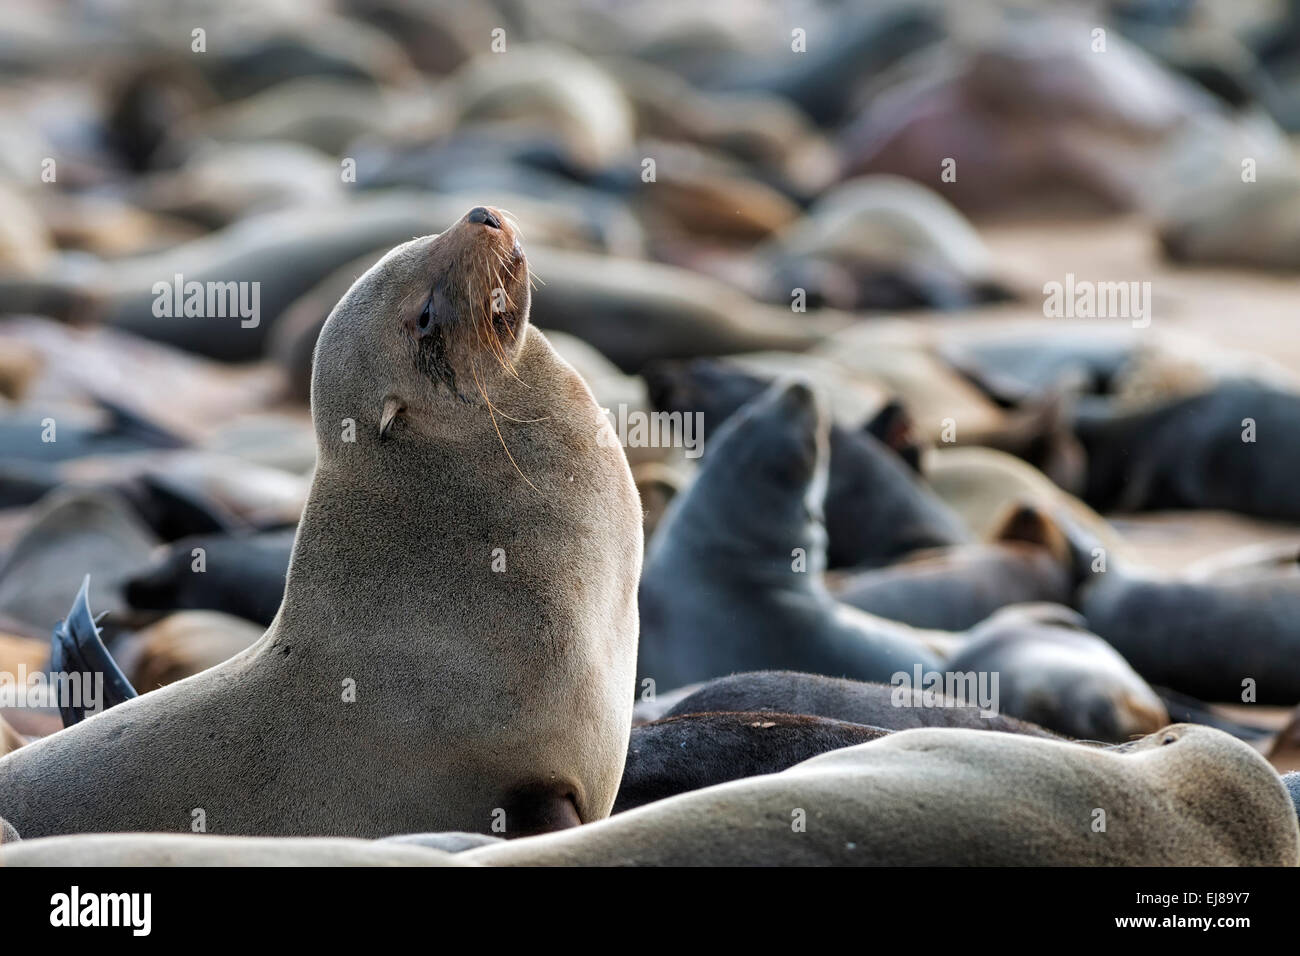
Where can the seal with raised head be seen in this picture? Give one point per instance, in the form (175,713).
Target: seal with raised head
(458,635)
(733,577)
(877,509)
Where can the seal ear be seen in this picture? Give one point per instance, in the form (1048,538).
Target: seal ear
(392,408)
(893,426)
(1027,523)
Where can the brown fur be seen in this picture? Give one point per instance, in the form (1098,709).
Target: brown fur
(470,682)
(1185,796)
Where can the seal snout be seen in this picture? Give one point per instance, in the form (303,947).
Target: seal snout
(799,399)
(484,216)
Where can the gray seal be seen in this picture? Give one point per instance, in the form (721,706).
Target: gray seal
(733,577)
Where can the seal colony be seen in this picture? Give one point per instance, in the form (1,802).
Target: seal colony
(446,427)
(1185,796)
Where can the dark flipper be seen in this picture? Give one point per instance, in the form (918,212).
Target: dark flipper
(76,650)
(540,807)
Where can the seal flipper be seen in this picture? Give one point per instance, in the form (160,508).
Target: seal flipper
(75,648)
(125,421)
(540,807)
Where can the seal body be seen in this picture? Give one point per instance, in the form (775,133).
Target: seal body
(1055,673)
(1186,796)
(1206,638)
(841,700)
(243,576)
(457,640)
(733,578)
(678,754)
(876,509)
(1197,451)
(169,849)
(955,588)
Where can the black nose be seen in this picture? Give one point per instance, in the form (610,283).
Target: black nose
(480,214)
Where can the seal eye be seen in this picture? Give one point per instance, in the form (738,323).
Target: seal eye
(426,317)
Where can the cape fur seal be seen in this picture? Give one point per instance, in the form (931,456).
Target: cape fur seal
(693,751)
(1234,447)
(445,430)
(733,577)
(242,575)
(979,484)
(1186,796)
(110,429)
(635,312)
(1053,672)
(1209,221)
(899,357)
(1203,638)
(881,242)
(955,588)
(160,849)
(877,510)
(1027,662)
(181,645)
(279,256)
(1022,107)
(858,702)
(75,531)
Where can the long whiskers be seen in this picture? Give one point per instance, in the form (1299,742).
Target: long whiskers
(501,438)
(495,345)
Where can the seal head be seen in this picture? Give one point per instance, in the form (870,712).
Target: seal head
(442,318)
